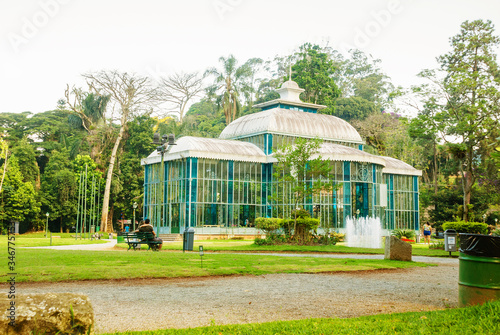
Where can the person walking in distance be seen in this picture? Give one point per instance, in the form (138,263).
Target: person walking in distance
(427,232)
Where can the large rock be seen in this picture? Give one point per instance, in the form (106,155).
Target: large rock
(396,249)
(48,313)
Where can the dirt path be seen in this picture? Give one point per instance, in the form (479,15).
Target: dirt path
(178,303)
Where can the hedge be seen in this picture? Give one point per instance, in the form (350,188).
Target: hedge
(467,227)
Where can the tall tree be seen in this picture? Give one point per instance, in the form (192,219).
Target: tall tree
(360,76)
(59,189)
(26,158)
(18,198)
(376,129)
(313,72)
(469,108)
(134,96)
(229,81)
(254,65)
(131,177)
(298,164)
(180,88)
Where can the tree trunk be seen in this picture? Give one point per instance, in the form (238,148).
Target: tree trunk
(467,183)
(61,224)
(4,171)
(435,170)
(109,177)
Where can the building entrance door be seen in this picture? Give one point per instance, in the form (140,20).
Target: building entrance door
(360,199)
(175,221)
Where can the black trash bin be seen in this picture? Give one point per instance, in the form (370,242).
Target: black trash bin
(188,240)
(479,269)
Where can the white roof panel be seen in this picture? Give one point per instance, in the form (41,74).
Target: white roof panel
(189,146)
(293,123)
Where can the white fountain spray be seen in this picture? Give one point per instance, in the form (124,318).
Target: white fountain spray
(364,232)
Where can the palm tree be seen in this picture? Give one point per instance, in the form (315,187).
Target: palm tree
(229,82)
(87,108)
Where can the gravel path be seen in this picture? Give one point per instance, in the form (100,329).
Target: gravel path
(178,303)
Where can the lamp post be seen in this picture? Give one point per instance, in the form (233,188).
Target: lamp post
(169,141)
(357,212)
(46,224)
(134,206)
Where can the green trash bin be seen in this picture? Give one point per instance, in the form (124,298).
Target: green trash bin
(479,269)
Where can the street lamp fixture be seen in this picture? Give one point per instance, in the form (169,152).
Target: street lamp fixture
(357,212)
(135,207)
(46,224)
(164,146)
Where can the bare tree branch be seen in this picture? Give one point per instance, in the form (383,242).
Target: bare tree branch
(179,89)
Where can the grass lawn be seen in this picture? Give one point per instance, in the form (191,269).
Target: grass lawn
(37,265)
(38,240)
(248,246)
(474,320)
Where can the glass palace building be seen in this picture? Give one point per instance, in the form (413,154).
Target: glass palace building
(219,186)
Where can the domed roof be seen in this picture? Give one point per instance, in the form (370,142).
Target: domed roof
(290,91)
(292,123)
(290,84)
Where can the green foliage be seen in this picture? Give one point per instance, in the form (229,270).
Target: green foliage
(26,158)
(467,227)
(307,223)
(269,225)
(229,84)
(313,72)
(354,108)
(463,102)
(18,198)
(271,239)
(301,213)
(59,188)
(496,232)
(400,233)
(296,167)
(15,125)
(376,129)
(204,120)
(446,204)
(326,239)
(360,76)
(438,245)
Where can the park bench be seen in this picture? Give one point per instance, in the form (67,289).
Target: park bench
(134,240)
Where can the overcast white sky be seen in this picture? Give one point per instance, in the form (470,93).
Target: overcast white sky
(46,44)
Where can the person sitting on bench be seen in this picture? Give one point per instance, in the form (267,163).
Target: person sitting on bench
(146,227)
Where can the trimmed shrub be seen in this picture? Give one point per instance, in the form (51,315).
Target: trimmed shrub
(259,241)
(308,223)
(467,227)
(269,225)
